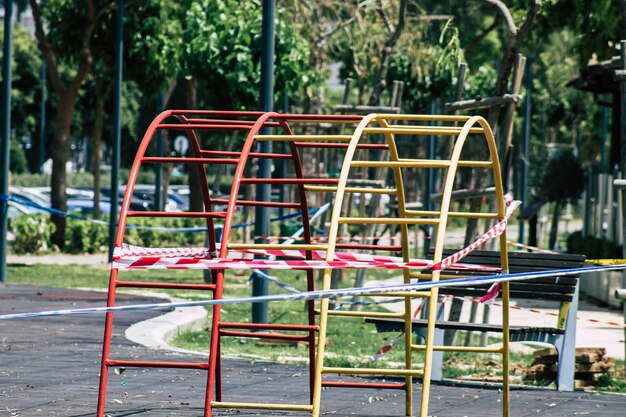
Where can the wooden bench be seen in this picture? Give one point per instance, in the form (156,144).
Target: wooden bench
(561,290)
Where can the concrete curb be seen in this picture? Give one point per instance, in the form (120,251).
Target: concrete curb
(154,333)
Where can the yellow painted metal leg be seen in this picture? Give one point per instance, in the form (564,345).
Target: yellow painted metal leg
(408,356)
(428,354)
(319,364)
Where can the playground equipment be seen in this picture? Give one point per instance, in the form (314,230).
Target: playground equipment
(385,142)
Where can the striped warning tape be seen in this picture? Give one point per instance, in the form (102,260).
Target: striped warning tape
(326,294)
(531,248)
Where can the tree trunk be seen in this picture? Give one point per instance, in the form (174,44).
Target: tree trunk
(60,152)
(96,139)
(554,228)
(196,201)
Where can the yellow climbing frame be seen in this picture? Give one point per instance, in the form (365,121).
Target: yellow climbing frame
(459,130)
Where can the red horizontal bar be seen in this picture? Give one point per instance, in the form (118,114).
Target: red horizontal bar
(266,326)
(242,122)
(256,203)
(317,117)
(340,145)
(181,126)
(149,364)
(250,155)
(290,180)
(374,385)
(218,113)
(184,160)
(138,284)
(200,214)
(260,335)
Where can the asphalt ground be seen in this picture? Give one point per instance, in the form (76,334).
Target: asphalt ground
(50,366)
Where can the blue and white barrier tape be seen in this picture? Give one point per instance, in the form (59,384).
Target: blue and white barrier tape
(324,294)
(5,197)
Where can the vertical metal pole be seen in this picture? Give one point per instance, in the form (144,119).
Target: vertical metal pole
(525,145)
(282,172)
(42,121)
(6,136)
(158,183)
(117,124)
(622,130)
(263,191)
(604,114)
(429,182)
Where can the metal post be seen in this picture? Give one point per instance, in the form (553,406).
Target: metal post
(621,77)
(117,125)
(42,133)
(429,181)
(158,182)
(525,145)
(263,191)
(6,136)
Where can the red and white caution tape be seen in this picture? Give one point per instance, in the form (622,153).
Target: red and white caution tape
(531,248)
(130,256)
(492,233)
(386,348)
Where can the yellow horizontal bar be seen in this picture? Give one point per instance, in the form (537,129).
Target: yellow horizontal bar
(458,214)
(304,138)
(442,276)
(364,314)
(460,349)
(332,189)
(476,164)
(276,246)
(372,371)
(421,130)
(386,220)
(422,117)
(405,163)
(416,294)
(258,406)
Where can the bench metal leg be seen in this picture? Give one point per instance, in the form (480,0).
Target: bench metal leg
(566,348)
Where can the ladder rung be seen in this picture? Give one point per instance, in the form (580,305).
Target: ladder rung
(368,247)
(352,189)
(372,385)
(369,146)
(231,122)
(138,284)
(272,246)
(304,138)
(258,406)
(261,335)
(198,214)
(476,164)
(268,326)
(184,160)
(148,364)
(372,371)
(386,220)
(207,126)
(415,163)
(289,180)
(250,155)
(416,294)
(257,203)
(365,314)
(457,214)
(421,130)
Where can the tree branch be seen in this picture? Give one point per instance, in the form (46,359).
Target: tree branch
(506,14)
(46,49)
(386,56)
(530,19)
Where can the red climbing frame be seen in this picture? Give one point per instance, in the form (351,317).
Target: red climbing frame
(193,123)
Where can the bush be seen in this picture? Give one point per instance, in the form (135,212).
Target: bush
(593,247)
(85,237)
(32,234)
(17,161)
